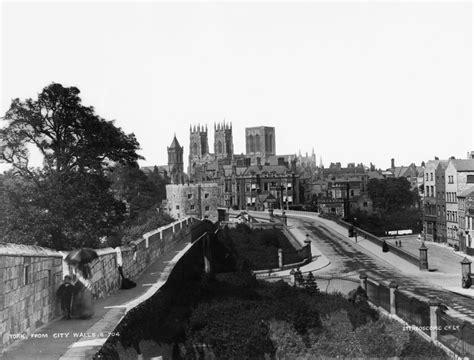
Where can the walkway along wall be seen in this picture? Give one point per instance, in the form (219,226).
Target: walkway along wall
(30,276)
(151,319)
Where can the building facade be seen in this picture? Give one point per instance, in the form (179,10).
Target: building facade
(459,175)
(258,187)
(466,215)
(199,200)
(434,201)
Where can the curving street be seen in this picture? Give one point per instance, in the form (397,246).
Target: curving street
(350,259)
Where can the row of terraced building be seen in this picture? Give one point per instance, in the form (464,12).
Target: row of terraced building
(448,202)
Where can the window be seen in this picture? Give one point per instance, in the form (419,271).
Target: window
(470,179)
(26,275)
(431,176)
(190,196)
(432,191)
(450,179)
(206,195)
(206,208)
(177,207)
(426,176)
(365,204)
(192,207)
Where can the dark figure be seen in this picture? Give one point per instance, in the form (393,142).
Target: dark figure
(357,295)
(83,302)
(86,270)
(126,283)
(466,281)
(384,246)
(65,294)
(299,277)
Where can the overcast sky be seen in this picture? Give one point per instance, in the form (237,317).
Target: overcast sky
(358,82)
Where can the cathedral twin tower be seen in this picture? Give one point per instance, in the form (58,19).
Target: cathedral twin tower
(223,142)
(260,145)
(199,150)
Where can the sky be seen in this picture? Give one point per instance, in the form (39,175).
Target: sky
(356,81)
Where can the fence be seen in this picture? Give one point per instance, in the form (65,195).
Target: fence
(451,334)
(413,311)
(455,335)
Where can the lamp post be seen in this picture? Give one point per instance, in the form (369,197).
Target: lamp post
(354,224)
(456,238)
(228,208)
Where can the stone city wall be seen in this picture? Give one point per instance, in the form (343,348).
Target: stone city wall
(31,275)
(136,256)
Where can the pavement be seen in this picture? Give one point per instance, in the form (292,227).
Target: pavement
(80,339)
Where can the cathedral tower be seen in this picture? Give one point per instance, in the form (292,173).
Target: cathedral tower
(175,162)
(223,142)
(260,142)
(198,144)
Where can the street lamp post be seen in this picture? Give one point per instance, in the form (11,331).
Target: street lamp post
(354,224)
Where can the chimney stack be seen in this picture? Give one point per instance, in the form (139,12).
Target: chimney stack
(393,163)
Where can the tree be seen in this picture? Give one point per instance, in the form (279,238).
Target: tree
(391,194)
(71,191)
(310,284)
(140,192)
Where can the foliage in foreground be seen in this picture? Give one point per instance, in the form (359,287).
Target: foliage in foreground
(68,201)
(278,320)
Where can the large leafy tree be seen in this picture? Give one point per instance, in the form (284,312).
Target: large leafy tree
(70,193)
(391,194)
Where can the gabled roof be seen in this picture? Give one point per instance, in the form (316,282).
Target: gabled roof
(175,144)
(463,164)
(467,192)
(405,171)
(375,175)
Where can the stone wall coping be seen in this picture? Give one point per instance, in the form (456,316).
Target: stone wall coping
(10,249)
(156,231)
(105,251)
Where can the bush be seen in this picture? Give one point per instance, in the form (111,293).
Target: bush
(259,248)
(382,338)
(418,348)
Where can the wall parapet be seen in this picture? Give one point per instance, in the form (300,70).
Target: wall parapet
(31,275)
